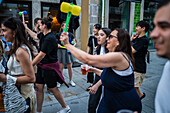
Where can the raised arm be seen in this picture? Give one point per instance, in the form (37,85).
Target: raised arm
(111,59)
(31,33)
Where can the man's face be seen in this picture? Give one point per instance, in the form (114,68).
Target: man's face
(139,30)
(161,32)
(38,24)
(42,27)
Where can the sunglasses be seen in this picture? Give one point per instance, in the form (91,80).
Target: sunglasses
(3,30)
(112,36)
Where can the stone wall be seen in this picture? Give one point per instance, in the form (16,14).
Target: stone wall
(94,6)
(36,8)
(78,30)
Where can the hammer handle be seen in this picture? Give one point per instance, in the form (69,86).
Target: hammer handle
(23,19)
(67,21)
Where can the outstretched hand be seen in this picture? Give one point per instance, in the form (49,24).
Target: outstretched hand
(64,38)
(90,69)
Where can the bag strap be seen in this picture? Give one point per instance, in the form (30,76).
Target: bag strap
(93,46)
(9,71)
(148,57)
(6,68)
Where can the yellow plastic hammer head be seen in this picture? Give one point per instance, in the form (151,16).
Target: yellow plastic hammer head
(67,7)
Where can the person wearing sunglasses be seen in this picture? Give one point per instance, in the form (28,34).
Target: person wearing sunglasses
(117,78)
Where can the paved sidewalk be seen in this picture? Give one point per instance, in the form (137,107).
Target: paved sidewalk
(77,97)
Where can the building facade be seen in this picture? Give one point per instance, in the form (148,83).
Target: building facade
(109,13)
(123,14)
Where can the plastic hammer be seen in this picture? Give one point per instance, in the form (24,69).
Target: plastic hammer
(22,13)
(70,9)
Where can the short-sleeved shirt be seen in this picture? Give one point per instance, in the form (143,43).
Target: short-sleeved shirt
(70,35)
(141,46)
(49,46)
(90,43)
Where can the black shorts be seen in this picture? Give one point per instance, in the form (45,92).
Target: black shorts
(49,77)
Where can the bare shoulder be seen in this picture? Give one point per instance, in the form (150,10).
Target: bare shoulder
(116,55)
(22,53)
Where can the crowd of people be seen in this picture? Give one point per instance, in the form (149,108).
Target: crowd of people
(34,58)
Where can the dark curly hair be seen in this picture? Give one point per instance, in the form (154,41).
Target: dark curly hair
(47,21)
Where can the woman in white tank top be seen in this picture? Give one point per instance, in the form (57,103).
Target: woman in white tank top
(20,69)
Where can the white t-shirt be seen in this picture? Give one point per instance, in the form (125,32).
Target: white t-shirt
(102,50)
(162,99)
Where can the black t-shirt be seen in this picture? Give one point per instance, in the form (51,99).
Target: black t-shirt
(90,43)
(141,46)
(70,35)
(48,45)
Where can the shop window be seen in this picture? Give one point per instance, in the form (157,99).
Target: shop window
(119,12)
(150,9)
(51,9)
(10,8)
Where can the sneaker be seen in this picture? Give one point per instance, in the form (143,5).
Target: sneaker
(72,84)
(58,85)
(65,110)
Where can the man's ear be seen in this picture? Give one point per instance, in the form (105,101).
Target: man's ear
(143,28)
(44,26)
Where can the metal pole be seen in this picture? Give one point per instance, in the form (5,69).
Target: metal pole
(142,10)
(103,3)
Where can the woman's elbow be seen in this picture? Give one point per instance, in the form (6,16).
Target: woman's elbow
(32,79)
(85,59)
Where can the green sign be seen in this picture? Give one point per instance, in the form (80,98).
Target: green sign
(137,15)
